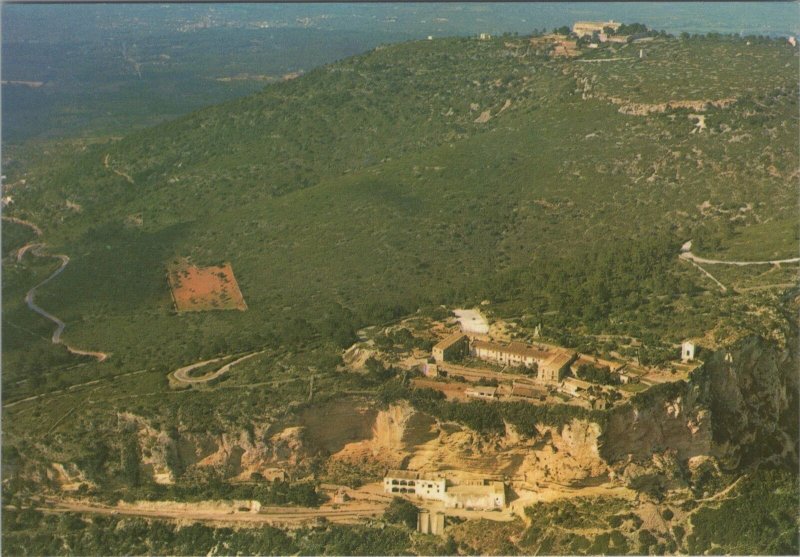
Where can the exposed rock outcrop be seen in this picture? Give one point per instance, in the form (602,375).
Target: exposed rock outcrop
(739,406)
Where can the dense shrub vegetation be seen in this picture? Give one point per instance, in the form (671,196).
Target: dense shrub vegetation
(594,374)
(761,518)
(210,489)
(490,417)
(29,532)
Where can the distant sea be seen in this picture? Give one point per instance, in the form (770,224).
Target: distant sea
(745,18)
(405,20)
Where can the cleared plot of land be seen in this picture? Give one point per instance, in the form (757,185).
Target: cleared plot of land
(204,288)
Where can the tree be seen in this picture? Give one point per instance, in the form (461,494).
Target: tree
(130,461)
(401,511)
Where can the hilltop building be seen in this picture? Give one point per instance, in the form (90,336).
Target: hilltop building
(515,354)
(568,49)
(588,28)
(453,347)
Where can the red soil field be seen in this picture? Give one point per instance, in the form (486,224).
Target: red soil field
(204,288)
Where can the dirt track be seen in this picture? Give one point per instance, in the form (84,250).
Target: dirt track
(279,516)
(706,273)
(686,253)
(115,171)
(36,229)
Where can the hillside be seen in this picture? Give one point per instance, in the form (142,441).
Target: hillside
(370,185)
(550,192)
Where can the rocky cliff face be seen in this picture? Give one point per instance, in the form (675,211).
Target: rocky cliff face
(671,418)
(753,398)
(741,405)
(401,436)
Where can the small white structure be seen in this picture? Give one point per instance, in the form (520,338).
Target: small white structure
(488,393)
(485,36)
(792,41)
(687,351)
(430,370)
(430,37)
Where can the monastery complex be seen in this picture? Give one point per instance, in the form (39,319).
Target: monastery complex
(551,363)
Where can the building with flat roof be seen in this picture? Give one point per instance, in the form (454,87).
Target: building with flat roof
(484,495)
(451,348)
(414,483)
(475,494)
(526,391)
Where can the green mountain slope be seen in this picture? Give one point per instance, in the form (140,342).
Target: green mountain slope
(447,171)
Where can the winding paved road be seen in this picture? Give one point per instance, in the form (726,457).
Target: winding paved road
(35,248)
(183,376)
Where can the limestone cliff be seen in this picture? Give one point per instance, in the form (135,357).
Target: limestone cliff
(402,436)
(740,405)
